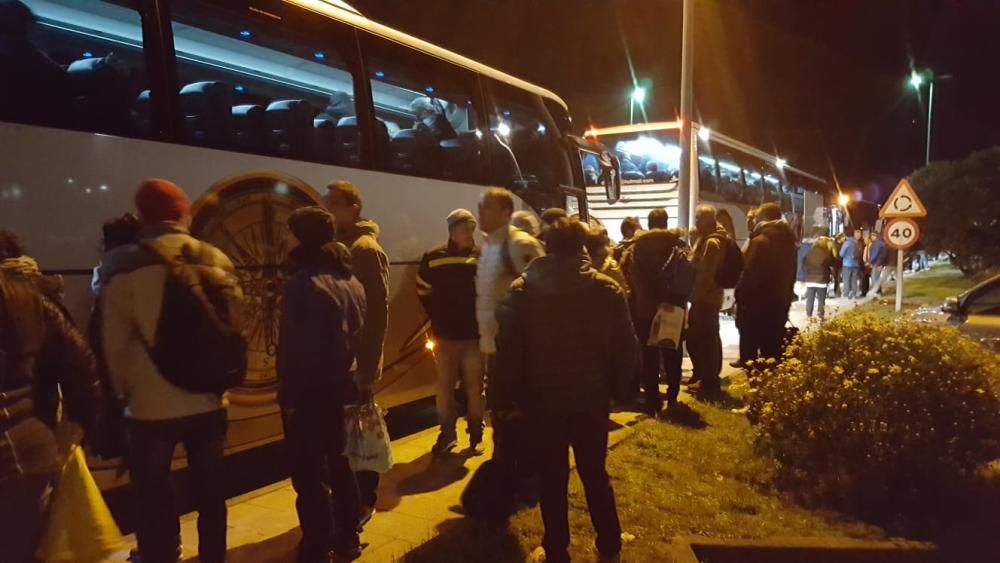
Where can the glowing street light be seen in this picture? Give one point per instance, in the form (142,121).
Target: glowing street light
(843,199)
(917,80)
(780,163)
(704,133)
(639,95)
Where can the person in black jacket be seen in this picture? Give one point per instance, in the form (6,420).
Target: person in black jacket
(818,267)
(44,363)
(446,285)
(766,289)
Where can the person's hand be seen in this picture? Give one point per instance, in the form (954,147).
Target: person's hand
(365,394)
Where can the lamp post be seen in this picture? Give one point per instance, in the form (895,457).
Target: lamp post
(917,80)
(685,201)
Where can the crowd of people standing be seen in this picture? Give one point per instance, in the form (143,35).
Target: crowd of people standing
(546,326)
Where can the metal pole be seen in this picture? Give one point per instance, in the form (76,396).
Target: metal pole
(930,116)
(685,205)
(899,280)
(631,110)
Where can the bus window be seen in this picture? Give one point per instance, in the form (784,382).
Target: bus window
(524,141)
(75,65)
(560,116)
(731,180)
(707,179)
(250,84)
(427,112)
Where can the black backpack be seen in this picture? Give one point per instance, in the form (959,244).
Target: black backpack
(676,277)
(731,268)
(200,346)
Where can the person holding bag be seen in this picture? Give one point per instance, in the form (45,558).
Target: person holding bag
(322,315)
(41,353)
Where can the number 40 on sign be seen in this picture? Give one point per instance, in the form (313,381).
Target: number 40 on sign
(901,233)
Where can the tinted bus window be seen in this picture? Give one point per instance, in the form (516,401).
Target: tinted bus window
(75,64)
(250,84)
(427,113)
(524,141)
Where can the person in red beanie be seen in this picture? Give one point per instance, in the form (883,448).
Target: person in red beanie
(162,201)
(159,414)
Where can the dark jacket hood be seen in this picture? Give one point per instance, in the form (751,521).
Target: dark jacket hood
(332,257)
(364,227)
(777,230)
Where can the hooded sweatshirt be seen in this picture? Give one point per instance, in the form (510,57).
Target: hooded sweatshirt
(371,267)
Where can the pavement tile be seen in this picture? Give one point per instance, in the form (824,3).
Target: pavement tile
(388,553)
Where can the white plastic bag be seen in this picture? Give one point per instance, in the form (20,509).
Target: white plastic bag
(665,331)
(367,446)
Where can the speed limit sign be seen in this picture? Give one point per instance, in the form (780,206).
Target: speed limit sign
(901,233)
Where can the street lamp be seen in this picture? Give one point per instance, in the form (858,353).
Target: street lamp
(843,199)
(780,163)
(917,80)
(638,97)
(704,133)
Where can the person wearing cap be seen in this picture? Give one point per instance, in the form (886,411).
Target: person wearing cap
(322,312)
(159,414)
(446,285)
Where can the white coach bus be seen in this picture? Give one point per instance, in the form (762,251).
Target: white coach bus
(253,107)
(732,175)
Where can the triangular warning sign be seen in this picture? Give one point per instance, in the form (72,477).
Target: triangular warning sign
(903,202)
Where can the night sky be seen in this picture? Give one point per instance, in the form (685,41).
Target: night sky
(820,82)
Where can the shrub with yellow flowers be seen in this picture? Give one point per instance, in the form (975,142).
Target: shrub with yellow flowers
(879,415)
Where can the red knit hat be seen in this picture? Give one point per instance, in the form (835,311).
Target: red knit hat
(161,201)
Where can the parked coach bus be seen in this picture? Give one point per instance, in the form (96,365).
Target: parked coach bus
(731,175)
(253,107)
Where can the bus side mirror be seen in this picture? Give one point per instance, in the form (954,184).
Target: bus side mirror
(611,176)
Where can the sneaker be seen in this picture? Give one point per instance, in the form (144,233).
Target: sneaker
(694,387)
(737,364)
(444,444)
(346,554)
(537,556)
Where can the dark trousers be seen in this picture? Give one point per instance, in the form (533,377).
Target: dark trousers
(368,485)
(864,282)
(314,439)
(649,375)
(704,344)
(763,331)
(22,515)
(587,433)
(151,447)
(816,295)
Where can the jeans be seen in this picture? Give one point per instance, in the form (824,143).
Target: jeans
(587,433)
(704,344)
(314,440)
(850,286)
(151,447)
(22,516)
(814,294)
(650,374)
(454,359)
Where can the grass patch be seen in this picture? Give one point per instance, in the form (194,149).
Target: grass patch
(923,289)
(669,480)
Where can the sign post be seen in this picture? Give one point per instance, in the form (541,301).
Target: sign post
(902,231)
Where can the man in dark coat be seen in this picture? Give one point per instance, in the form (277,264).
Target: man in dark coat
(766,289)
(560,365)
(322,312)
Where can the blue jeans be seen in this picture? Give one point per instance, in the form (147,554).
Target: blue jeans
(816,294)
(459,359)
(850,287)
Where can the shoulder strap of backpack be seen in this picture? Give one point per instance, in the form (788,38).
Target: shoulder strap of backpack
(508,260)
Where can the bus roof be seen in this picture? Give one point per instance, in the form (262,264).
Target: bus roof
(340,11)
(715,138)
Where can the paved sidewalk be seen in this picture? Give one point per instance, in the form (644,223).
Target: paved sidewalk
(416,497)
